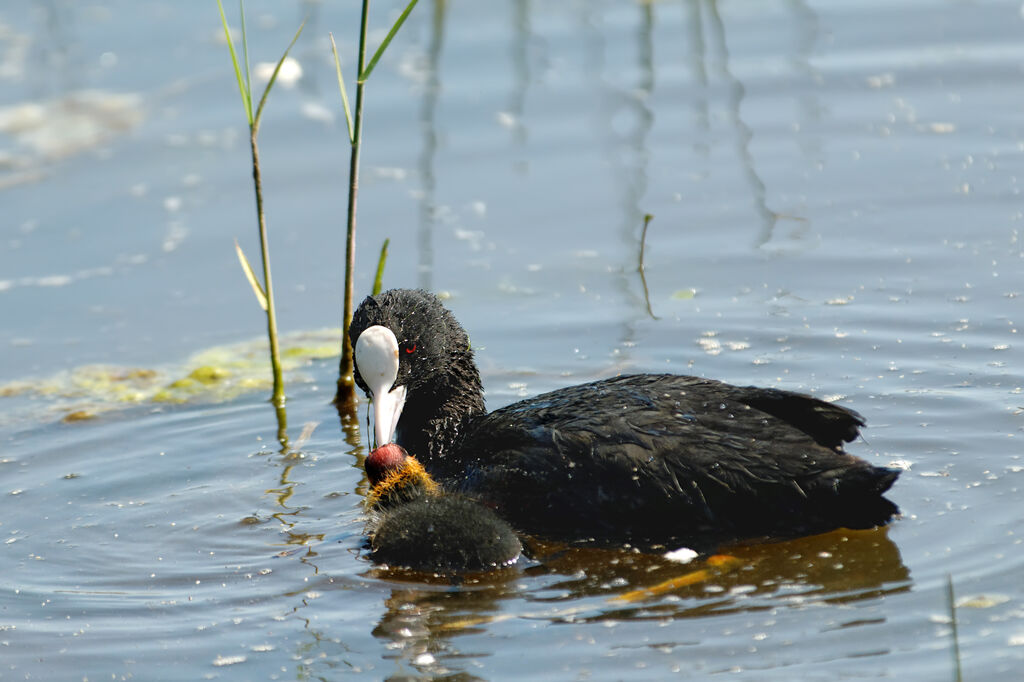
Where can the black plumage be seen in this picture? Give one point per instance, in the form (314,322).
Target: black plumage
(416,525)
(445,535)
(645,459)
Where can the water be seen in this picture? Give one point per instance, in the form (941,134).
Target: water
(836,210)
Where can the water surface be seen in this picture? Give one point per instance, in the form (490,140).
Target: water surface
(836,210)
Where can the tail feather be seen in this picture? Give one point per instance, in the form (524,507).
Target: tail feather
(859,502)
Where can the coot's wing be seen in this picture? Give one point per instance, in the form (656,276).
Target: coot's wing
(829,424)
(664,458)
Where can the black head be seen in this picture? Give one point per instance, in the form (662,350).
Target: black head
(430,339)
(429,384)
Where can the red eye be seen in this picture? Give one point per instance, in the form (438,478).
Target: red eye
(410,348)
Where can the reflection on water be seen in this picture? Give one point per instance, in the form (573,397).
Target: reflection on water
(743,135)
(416,625)
(428,111)
(855,564)
(425,618)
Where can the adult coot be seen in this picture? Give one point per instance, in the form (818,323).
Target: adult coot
(647,459)
(414,524)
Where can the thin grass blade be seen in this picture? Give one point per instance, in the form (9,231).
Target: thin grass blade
(261,296)
(245,60)
(243,87)
(387,41)
(379,277)
(344,92)
(273,76)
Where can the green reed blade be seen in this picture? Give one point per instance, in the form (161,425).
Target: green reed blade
(379,277)
(344,92)
(261,296)
(273,76)
(243,84)
(387,41)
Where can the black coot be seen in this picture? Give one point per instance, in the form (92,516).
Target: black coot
(414,524)
(647,459)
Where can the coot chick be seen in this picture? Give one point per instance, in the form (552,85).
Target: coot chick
(414,525)
(647,459)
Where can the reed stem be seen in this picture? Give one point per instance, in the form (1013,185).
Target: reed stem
(346,367)
(277,398)
(264,291)
(958,675)
(346,379)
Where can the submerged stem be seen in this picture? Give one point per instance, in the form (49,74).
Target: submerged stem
(957,672)
(640,267)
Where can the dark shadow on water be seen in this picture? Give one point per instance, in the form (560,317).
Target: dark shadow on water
(420,623)
(837,566)
(424,615)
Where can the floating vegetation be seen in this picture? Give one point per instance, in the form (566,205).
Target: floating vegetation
(47,130)
(73,123)
(213,375)
(78,416)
